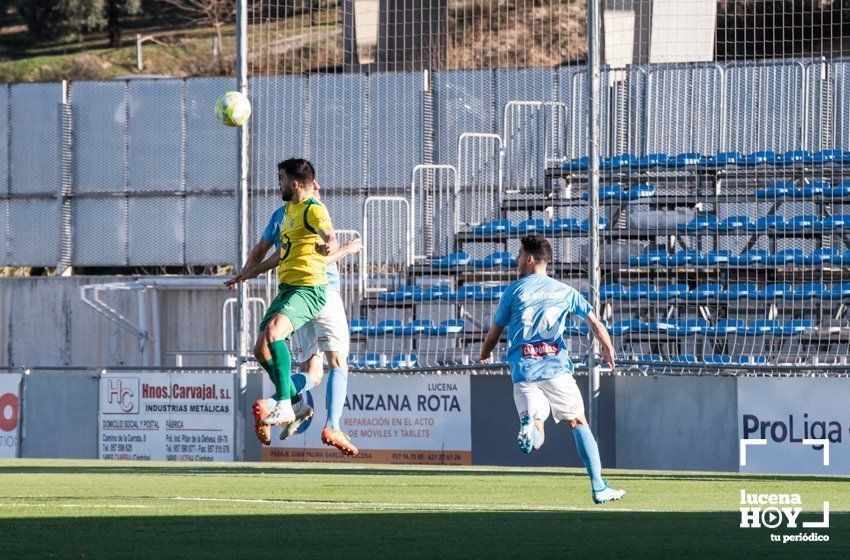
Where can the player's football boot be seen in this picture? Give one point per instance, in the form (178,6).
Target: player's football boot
(282,413)
(303,412)
(525,438)
(607,494)
(340,440)
(261,410)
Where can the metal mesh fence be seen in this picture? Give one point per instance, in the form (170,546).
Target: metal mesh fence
(462,125)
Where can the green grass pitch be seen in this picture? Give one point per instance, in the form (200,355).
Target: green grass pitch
(93,510)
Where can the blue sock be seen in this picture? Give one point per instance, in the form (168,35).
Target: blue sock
(589,453)
(337,389)
(302,382)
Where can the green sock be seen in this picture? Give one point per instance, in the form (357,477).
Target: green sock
(282,368)
(269,367)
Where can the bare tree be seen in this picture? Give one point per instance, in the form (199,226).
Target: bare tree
(215,12)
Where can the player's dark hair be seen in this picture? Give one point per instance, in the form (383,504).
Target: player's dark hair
(298,169)
(537,247)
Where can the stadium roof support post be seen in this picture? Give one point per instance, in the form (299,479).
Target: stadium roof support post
(593,136)
(242,222)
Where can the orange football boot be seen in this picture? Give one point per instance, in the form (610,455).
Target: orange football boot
(340,440)
(264,432)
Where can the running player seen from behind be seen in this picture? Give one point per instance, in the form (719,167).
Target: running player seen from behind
(327,333)
(306,239)
(536,309)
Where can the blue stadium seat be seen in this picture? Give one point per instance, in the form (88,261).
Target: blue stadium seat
(385,327)
(651,258)
(753,256)
(585,225)
(569,225)
(610,291)
(714,258)
(636,192)
(495,260)
(717,359)
(809,290)
(742,291)
(577,329)
(707,291)
(684,257)
(691,327)
(652,160)
(469,291)
(770,222)
(785,256)
(804,221)
(638,291)
(440,292)
(763,328)
(760,158)
(819,256)
(619,328)
(839,291)
(839,191)
(736,222)
(664,326)
(689,158)
(653,358)
(353,360)
(756,360)
(607,192)
(728,158)
(670,292)
(811,190)
(837,221)
(373,360)
(623,160)
(701,223)
(359,326)
(419,326)
(405,360)
(492,293)
(684,359)
(450,326)
(450,260)
(576,164)
(728,327)
(776,291)
(403,294)
(827,156)
(798,327)
(792,157)
(780,189)
(494,227)
(532,225)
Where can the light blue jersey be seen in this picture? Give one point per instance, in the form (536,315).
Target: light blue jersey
(536,310)
(272,235)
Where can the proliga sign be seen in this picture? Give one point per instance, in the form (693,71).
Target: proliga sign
(794,425)
(166,416)
(418,419)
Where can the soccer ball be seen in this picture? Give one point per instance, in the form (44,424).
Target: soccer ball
(232,109)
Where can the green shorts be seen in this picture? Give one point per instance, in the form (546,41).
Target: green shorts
(300,304)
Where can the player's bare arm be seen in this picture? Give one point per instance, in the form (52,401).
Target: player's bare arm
(329,244)
(254,258)
(490,341)
(601,333)
(350,248)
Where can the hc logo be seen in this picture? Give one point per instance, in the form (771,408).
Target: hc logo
(121,395)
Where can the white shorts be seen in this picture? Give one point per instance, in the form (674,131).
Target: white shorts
(327,332)
(559,394)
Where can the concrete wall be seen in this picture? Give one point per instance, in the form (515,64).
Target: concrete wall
(680,423)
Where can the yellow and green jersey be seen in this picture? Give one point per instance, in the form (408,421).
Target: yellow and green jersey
(300,263)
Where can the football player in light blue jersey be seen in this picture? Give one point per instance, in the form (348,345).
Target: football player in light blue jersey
(327,333)
(536,309)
